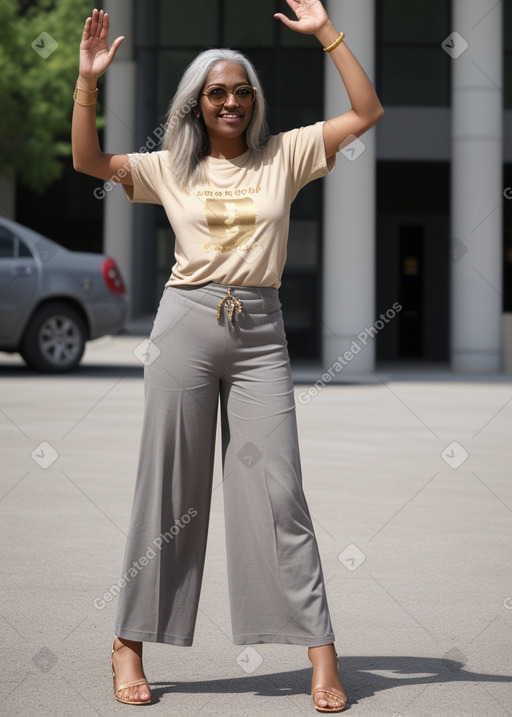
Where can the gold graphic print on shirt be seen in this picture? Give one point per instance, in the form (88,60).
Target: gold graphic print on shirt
(232,223)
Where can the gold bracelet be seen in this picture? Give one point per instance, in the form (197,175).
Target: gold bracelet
(90,92)
(335,43)
(84,104)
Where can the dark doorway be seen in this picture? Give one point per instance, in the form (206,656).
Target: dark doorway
(410,331)
(413,260)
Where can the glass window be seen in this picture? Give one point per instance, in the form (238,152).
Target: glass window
(146,23)
(419,22)
(23,250)
(301,297)
(289,38)
(303,244)
(507,80)
(249,26)
(308,203)
(414,76)
(171,65)
(507,26)
(164,255)
(192,23)
(412,68)
(413,187)
(6,244)
(302,87)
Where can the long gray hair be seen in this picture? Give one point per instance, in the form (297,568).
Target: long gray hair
(185,136)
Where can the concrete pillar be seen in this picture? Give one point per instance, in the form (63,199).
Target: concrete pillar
(349,209)
(476,192)
(119,105)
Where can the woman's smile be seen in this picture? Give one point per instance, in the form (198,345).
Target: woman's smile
(231,117)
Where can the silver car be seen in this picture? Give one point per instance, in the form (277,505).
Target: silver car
(53,300)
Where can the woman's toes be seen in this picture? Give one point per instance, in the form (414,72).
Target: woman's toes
(141,693)
(144,694)
(326,700)
(322,702)
(138,694)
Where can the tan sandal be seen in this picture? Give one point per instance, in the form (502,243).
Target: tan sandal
(121,688)
(338,696)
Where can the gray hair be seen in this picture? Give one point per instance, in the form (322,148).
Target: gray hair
(185,136)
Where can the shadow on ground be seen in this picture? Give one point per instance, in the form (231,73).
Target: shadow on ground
(362,677)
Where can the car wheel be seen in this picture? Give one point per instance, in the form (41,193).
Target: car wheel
(54,340)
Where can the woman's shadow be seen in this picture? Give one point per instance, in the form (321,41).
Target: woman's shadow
(361,677)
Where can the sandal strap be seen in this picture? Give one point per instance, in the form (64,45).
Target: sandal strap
(136,683)
(332,692)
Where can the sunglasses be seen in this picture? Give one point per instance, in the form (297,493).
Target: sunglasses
(244,95)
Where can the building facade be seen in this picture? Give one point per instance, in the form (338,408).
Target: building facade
(405,252)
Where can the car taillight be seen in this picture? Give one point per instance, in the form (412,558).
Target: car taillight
(112,276)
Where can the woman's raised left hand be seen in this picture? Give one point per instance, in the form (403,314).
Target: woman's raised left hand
(311,16)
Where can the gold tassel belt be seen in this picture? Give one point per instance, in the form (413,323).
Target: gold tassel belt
(232,305)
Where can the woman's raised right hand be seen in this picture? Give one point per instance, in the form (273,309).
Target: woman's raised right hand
(95,57)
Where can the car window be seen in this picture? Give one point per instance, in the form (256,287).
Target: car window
(12,247)
(7,244)
(23,250)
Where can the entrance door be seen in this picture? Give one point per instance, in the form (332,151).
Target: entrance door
(413,268)
(410,291)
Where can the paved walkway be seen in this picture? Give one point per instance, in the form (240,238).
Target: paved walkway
(408,482)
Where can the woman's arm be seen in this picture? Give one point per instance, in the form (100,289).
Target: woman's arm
(366,108)
(95,58)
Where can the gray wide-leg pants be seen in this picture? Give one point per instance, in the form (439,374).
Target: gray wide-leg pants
(275,579)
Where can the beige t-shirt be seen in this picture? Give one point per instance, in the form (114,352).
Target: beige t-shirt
(234,230)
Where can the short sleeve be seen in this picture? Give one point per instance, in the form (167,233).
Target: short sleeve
(148,177)
(306,155)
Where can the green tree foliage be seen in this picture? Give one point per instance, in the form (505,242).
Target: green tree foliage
(39,45)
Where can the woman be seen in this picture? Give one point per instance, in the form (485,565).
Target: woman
(227,188)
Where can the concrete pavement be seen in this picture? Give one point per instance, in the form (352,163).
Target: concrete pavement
(408,482)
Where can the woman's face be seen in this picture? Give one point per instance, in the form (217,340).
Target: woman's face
(230,120)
